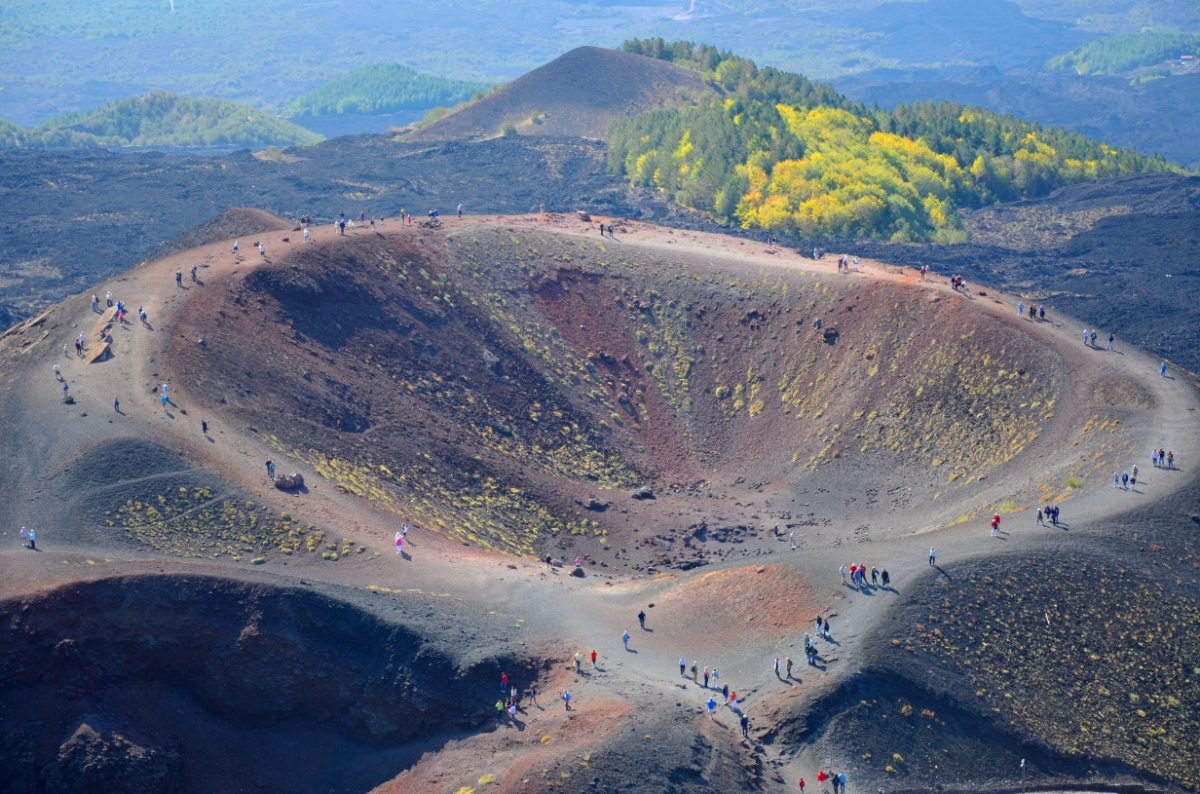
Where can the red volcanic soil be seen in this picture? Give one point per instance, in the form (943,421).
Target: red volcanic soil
(710,427)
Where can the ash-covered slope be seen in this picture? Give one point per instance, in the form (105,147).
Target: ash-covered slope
(579,94)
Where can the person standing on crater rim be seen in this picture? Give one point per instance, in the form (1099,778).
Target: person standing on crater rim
(642,618)
(932,556)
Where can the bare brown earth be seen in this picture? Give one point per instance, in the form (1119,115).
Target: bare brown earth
(582,93)
(506,385)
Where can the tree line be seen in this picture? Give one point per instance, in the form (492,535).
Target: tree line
(778,152)
(160,119)
(380,88)
(1125,52)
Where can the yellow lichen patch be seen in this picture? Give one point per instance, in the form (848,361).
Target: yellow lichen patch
(196,523)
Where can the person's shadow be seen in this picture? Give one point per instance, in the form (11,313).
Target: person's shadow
(942,571)
(404,555)
(630,650)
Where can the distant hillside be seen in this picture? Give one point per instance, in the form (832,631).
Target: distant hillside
(161,119)
(778,152)
(581,94)
(380,88)
(1125,52)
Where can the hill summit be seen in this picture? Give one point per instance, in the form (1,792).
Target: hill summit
(582,93)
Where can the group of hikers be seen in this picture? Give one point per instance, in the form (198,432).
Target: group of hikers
(858,576)
(1039,313)
(509,702)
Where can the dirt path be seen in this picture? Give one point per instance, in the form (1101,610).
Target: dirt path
(737,618)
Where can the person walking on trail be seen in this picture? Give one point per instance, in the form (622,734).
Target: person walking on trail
(642,618)
(566,696)
(24,536)
(725,693)
(512,714)
(594,659)
(777,667)
(1162,370)
(843,571)
(788,665)
(270,470)
(33,540)
(531,694)
(399,543)
(117,404)
(262,250)
(1040,518)
(715,676)
(932,556)
(625,639)
(178,278)
(460,210)
(801,784)
(695,672)
(706,676)
(1085,336)
(578,660)
(745,723)
(1021,309)
(1111,338)
(885,579)
(1093,337)
(995,525)
(711,704)
(682,666)
(237,246)
(1125,480)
